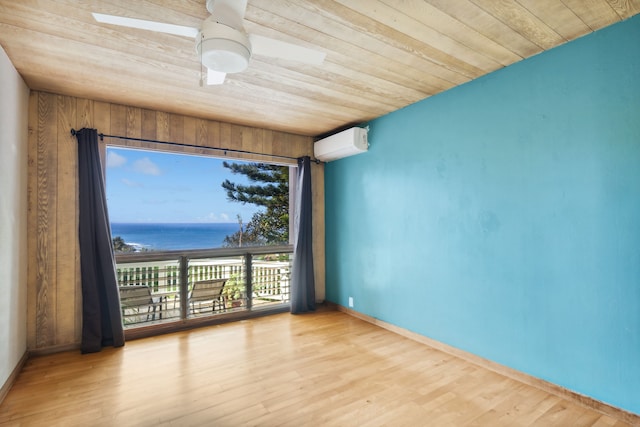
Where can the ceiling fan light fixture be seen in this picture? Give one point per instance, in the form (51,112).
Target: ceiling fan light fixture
(223,55)
(223,48)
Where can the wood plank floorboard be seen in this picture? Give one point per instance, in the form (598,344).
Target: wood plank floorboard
(325,368)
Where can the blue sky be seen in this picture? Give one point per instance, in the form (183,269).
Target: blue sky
(156,187)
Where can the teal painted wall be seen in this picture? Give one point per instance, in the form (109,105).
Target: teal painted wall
(503,217)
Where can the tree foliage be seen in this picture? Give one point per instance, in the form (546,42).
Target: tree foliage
(268,188)
(120,246)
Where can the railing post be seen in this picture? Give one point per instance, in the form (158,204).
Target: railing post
(249,279)
(184,287)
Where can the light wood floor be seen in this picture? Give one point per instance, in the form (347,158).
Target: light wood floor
(326,368)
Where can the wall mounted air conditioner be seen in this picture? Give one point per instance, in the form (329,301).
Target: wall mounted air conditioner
(342,144)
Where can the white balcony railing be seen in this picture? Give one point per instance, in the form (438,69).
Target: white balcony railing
(161,287)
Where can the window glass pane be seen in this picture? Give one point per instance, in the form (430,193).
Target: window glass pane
(169,201)
(149,291)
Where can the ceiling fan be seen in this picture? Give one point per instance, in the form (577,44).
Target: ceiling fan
(222,44)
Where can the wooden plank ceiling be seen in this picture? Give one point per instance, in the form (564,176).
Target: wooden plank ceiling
(381,54)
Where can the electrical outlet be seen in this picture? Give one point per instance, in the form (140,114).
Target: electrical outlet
(351,302)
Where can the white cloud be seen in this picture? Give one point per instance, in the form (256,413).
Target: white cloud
(146,167)
(130,183)
(214,217)
(115,160)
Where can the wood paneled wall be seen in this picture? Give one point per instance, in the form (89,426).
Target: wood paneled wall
(54,295)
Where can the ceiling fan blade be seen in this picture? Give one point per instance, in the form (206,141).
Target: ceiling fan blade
(178,30)
(215,77)
(266,46)
(228,12)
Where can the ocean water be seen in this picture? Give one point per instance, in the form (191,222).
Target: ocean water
(174,236)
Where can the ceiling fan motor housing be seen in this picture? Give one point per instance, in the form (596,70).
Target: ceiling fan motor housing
(223,48)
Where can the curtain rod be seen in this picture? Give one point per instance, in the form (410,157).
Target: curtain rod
(178,144)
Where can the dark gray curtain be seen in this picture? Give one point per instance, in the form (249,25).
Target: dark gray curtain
(101,318)
(303,294)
